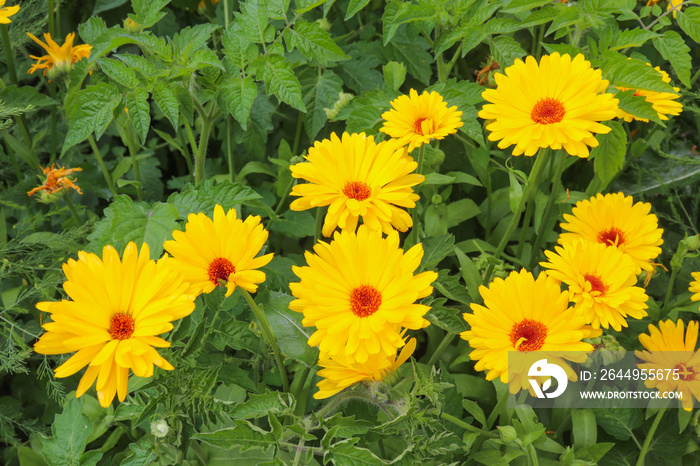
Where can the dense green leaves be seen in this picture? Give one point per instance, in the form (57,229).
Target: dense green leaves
(610,153)
(70,432)
(236,96)
(91,113)
(673,48)
(279,80)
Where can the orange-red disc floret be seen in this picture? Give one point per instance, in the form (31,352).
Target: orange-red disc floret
(219,269)
(596,284)
(121,326)
(611,237)
(547,111)
(528,335)
(365,300)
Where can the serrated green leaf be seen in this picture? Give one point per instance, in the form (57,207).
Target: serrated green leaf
(91,112)
(518,6)
(244,436)
(189,39)
(258,406)
(403,13)
(306,5)
(593,453)
(689,21)
(280,80)
(70,431)
(610,153)
(204,198)
(631,38)
(236,96)
(165,99)
(320,92)
(637,106)
(618,422)
(294,224)
(252,21)
(632,73)
(239,50)
(353,7)
(292,336)
(412,53)
(25,96)
(139,111)
(673,48)
(505,50)
(394,74)
(147,12)
(346,453)
(119,72)
(91,29)
(541,16)
(316,43)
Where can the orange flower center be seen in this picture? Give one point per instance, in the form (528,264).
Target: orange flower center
(596,284)
(365,301)
(121,327)
(357,190)
(418,126)
(611,237)
(220,269)
(685,373)
(528,335)
(548,111)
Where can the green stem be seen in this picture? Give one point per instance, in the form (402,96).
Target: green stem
(421,159)
(127,135)
(441,347)
(669,290)
(71,207)
(650,436)
(285,195)
(318,227)
(526,224)
(556,186)
(464,425)
(269,336)
(297,136)
(694,78)
(52,29)
(9,53)
(532,183)
(299,382)
(101,163)
(201,156)
(227,20)
(300,449)
(229,148)
(341,397)
(415,233)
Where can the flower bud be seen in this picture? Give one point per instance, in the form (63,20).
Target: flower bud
(160,428)
(508,433)
(436,199)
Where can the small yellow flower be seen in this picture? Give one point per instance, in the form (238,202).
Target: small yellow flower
(220,251)
(664,103)
(416,119)
(60,59)
(56,180)
(340,371)
(668,348)
(695,286)
(6,12)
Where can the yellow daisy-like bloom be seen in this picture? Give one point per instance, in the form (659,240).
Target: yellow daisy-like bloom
(416,119)
(522,313)
(60,59)
(668,349)
(356,178)
(220,251)
(556,103)
(6,12)
(359,291)
(340,372)
(601,282)
(115,312)
(664,103)
(611,219)
(695,286)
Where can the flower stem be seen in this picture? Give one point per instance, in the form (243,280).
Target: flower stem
(340,398)
(650,436)
(127,136)
(532,183)
(101,163)
(669,290)
(201,155)
(318,227)
(71,207)
(9,53)
(441,347)
(269,336)
(229,148)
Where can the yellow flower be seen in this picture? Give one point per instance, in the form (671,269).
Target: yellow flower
(358,291)
(558,103)
(695,286)
(340,372)
(614,221)
(675,5)
(357,178)
(668,349)
(115,312)
(56,180)
(60,59)
(416,119)
(220,251)
(524,314)
(664,103)
(6,12)
(601,282)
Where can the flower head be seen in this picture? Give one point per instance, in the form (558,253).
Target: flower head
(601,282)
(117,307)
(56,180)
(664,103)
(522,313)
(6,12)
(556,103)
(611,219)
(356,178)
(359,291)
(416,119)
(695,286)
(340,371)
(669,348)
(220,251)
(60,59)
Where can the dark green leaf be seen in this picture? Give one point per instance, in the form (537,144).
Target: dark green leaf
(505,50)
(347,454)
(618,422)
(316,43)
(252,20)
(239,50)
(320,92)
(70,431)
(631,38)
(435,249)
(208,194)
(610,153)
(353,7)
(119,72)
(673,48)
(593,453)
(244,436)
(21,97)
(292,337)
(294,224)
(236,96)
(104,5)
(638,106)
(585,429)
(139,111)
(91,112)
(165,99)
(258,406)
(280,80)
(412,53)
(689,21)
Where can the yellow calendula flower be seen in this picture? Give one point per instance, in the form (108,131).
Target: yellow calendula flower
(220,251)
(668,348)
(695,286)
(602,282)
(56,180)
(664,103)
(357,178)
(359,291)
(556,103)
(117,307)
(340,371)
(613,220)
(521,313)
(59,59)
(6,12)
(416,119)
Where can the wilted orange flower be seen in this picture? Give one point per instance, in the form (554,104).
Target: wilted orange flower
(57,179)
(60,58)
(6,12)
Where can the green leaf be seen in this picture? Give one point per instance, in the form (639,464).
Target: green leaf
(461,210)
(204,198)
(294,224)
(673,48)
(24,96)
(345,453)
(258,406)
(593,453)
(244,436)
(689,21)
(610,153)
(91,112)
(119,72)
(320,92)
(239,50)
(412,53)
(505,50)
(631,38)
(518,6)
(475,410)
(252,21)
(394,74)
(147,12)
(470,274)
(165,99)
(139,111)
(585,430)
(398,13)
(638,106)
(618,422)
(292,337)
(191,39)
(70,431)
(435,249)
(307,5)
(316,43)
(236,334)
(353,7)
(632,73)
(280,80)
(104,5)
(236,96)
